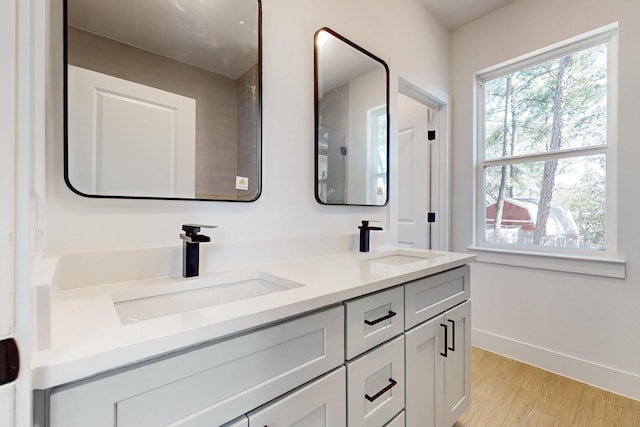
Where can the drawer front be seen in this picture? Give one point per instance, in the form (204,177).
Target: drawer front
(428,297)
(243,421)
(373,320)
(398,421)
(211,385)
(375,385)
(319,404)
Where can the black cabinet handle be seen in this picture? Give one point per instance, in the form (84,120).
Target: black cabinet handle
(388,316)
(453,335)
(392,382)
(446,340)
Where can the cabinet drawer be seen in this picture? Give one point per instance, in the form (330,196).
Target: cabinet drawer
(243,421)
(210,385)
(375,385)
(428,297)
(319,404)
(398,421)
(373,320)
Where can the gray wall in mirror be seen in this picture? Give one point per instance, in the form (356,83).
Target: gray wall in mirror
(352,123)
(225,142)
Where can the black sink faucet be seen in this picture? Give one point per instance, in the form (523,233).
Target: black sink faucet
(364,235)
(191,248)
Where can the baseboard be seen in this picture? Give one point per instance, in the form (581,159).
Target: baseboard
(610,379)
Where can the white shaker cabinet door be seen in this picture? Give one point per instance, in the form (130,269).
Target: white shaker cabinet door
(438,369)
(321,403)
(457,364)
(425,364)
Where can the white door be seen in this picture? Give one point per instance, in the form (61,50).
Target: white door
(116,125)
(414,181)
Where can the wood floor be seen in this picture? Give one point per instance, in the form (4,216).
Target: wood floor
(507,393)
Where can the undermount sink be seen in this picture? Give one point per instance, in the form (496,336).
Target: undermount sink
(401,257)
(181,296)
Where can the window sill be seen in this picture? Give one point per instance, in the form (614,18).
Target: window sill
(593,266)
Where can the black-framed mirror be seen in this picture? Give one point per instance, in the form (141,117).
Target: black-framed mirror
(163,99)
(351,123)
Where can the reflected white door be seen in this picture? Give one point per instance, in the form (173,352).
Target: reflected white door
(414,181)
(116,126)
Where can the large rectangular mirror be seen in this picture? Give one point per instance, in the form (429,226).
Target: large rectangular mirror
(163,98)
(352,123)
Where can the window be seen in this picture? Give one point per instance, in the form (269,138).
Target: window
(545,143)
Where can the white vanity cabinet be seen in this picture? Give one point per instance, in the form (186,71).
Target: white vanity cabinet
(210,385)
(393,358)
(438,358)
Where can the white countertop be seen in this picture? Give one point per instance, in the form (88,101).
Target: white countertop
(88,337)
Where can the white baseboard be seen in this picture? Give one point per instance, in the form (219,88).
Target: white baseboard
(613,380)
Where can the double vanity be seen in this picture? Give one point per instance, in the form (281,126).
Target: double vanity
(359,339)
(356,339)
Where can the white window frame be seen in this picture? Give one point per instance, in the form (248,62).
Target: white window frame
(602,263)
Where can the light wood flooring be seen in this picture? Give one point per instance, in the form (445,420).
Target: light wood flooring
(507,393)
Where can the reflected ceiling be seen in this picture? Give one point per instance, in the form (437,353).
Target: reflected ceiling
(206,34)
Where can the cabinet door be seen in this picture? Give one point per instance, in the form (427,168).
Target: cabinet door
(457,364)
(424,346)
(319,404)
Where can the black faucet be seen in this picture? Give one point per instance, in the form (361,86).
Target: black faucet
(191,248)
(364,235)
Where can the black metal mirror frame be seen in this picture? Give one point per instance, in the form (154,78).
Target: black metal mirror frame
(101,196)
(317,114)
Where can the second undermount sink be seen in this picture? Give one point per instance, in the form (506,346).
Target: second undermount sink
(402,256)
(181,296)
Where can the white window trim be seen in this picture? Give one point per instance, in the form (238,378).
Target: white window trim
(599,263)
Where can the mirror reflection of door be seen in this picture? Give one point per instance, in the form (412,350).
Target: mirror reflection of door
(414,179)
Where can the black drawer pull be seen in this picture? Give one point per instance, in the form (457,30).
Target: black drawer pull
(388,316)
(392,382)
(446,340)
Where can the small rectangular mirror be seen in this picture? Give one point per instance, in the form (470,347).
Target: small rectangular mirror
(352,123)
(163,99)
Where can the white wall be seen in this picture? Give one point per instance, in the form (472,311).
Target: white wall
(581,326)
(401,32)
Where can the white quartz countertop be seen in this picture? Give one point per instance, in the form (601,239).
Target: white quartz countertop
(88,337)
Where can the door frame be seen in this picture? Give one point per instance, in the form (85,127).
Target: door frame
(19,30)
(440,191)
(8,90)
